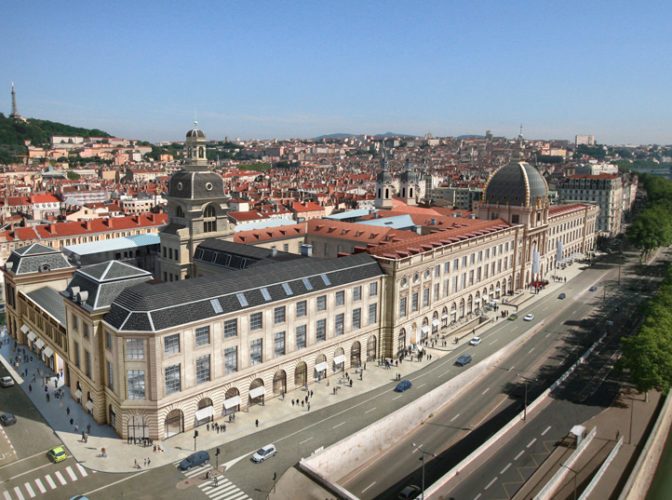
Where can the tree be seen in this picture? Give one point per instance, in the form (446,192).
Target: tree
(648,356)
(73,176)
(650,230)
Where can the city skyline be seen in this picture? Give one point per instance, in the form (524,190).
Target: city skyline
(268,70)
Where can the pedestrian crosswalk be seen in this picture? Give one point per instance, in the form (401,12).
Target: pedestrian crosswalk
(223,490)
(43,484)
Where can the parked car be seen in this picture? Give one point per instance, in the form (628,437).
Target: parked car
(6,381)
(592,288)
(79,497)
(403,385)
(562,296)
(263,453)
(7,419)
(465,359)
(475,341)
(409,492)
(194,460)
(529,317)
(57,454)
(513,317)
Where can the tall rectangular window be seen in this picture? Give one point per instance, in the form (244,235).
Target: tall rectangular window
(231,360)
(402,307)
(171,344)
(446,267)
(340,298)
(87,363)
(373,289)
(279,315)
(338,324)
(373,311)
(425,297)
(357,293)
(202,336)
(301,308)
(321,330)
(110,376)
(256,322)
(356,318)
(321,302)
(135,381)
(86,330)
(203,369)
(256,352)
(77,354)
(75,322)
(279,344)
(437,271)
(173,380)
(437,291)
(230,328)
(414,302)
(135,349)
(108,340)
(300,337)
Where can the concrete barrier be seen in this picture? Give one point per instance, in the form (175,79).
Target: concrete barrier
(600,472)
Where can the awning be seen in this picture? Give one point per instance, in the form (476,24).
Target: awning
(497,289)
(25,328)
(321,367)
(257,392)
(425,328)
(435,322)
(48,352)
(32,336)
(39,343)
(339,359)
(78,394)
(453,312)
(478,300)
(231,402)
(203,413)
(89,405)
(444,316)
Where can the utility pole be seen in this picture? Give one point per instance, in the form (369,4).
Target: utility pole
(418,447)
(195,436)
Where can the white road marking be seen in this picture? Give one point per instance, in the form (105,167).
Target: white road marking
(305,440)
(29,489)
(338,425)
(50,482)
(423,385)
(491,483)
(546,430)
(394,399)
(134,476)
(505,468)
(18,493)
(454,417)
(40,486)
(547,335)
(493,342)
(485,391)
(369,486)
(71,473)
(82,470)
(60,478)
(478,496)
(530,351)
(531,442)
(511,369)
(519,454)
(369,410)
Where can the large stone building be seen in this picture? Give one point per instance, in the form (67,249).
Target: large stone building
(154,358)
(603,190)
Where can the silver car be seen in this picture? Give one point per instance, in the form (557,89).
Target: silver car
(264,452)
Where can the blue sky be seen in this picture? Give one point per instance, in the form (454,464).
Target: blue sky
(301,69)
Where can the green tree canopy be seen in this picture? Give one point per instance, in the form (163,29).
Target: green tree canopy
(650,230)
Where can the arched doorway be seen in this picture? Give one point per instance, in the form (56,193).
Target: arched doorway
(401,340)
(174,423)
(231,401)
(477,302)
(469,304)
(424,332)
(257,392)
(371,348)
(112,417)
(320,370)
(453,312)
(301,374)
(280,382)
(339,360)
(461,315)
(356,354)
(205,412)
(435,322)
(444,318)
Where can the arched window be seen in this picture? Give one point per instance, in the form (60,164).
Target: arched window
(210,219)
(179,212)
(201,152)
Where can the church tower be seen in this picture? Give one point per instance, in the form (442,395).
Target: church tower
(409,185)
(196,210)
(384,187)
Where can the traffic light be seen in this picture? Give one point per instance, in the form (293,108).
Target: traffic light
(195,434)
(217,452)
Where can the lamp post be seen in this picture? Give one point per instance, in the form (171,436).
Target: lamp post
(575,474)
(526,380)
(418,447)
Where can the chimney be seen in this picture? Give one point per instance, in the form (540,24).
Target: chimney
(306,250)
(52,228)
(87,225)
(274,252)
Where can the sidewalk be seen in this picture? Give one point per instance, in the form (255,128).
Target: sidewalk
(121,456)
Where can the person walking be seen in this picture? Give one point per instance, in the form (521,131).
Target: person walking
(88,428)
(256,423)
(308,406)
(30,388)
(216,481)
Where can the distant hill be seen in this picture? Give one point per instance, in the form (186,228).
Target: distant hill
(472,136)
(14,133)
(343,136)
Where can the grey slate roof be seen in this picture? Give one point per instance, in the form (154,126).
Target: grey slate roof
(51,301)
(230,255)
(103,283)
(518,183)
(36,258)
(157,307)
(196,185)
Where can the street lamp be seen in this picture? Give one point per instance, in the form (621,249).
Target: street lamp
(526,380)
(418,447)
(575,474)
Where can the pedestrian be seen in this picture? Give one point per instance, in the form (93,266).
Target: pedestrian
(30,388)
(223,427)
(83,437)
(350,382)
(71,421)
(154,449)
(67,410)
(149,461)
(303,403)
(256,423)
(144,463)
(216,480)
(308,406)
(55,382)
(307,395)
(76,427)
(311,394)
(207,427)
(135,463)
(275,475)
(292,402)
(282,394)
(47,396)
(88,428)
